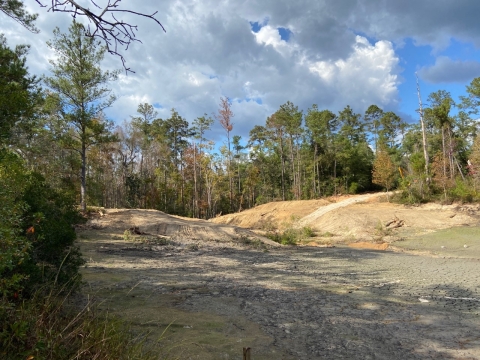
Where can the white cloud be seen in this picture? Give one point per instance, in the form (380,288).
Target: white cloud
(446,70)
(368,76)
(209,51)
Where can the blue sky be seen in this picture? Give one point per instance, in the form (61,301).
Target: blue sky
(415,58)
(262,54)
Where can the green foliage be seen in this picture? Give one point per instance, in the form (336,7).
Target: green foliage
(79,93)
(52,215)
(19,93)
(14,246)
(462,191)
(291,235)
(252,242)
(36,233)
(307,232)
(411,193)
(353,188)
(288,237)
(16,10)
(472,101)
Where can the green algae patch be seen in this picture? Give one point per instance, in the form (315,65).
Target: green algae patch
(462,241)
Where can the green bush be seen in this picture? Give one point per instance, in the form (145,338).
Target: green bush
(307,232)
(52,215)
(353,188)
(39,270)
(462,191)
(288,237)
(291,236)
(414,191)
(14,246)
(36,231)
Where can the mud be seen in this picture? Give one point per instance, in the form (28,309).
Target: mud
(284,303)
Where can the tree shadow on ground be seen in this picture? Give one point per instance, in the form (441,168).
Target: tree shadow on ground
(313,303)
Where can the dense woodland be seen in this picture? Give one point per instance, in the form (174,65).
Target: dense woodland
(172,164)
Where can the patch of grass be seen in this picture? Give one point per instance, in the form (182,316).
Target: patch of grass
(252,242)
(127,235)
(381,231)
(327,234)
(49,326)
(308,232)
(152,240)
(288,237)
(193,247)
(291,236)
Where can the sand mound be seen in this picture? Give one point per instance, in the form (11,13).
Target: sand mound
(157,223)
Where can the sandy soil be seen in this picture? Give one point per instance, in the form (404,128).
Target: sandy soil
(355,218)
(208,289)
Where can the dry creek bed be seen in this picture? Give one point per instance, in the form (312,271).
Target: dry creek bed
(288,303)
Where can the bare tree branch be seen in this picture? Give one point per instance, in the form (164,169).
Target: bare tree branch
(105,25)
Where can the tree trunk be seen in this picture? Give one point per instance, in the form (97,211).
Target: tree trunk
(424,135)
(83,176)
(294,174)
(444,156)
(195,193)
(283,168)
(314,170)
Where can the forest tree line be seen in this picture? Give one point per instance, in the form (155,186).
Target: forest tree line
(172,165)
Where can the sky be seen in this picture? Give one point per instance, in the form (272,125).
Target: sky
(261,54)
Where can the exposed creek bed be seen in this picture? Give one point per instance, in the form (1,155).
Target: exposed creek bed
(288,303)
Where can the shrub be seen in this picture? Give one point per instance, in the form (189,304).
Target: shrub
(413,191)
(462,191)
(14,245)
(38,272)
(52,215)
(353,188)
(288,237)
(36,231)
(308,232)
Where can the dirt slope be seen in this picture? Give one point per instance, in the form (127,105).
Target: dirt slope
(358,217)
(156,224)
(278,214)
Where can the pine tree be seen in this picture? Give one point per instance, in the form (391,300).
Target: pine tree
(19,93)
(79,87)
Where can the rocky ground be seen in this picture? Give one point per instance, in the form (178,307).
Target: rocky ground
(210,296)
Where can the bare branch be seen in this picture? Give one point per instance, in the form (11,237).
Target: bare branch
(112,31)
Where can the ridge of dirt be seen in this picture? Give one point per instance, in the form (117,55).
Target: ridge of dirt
(279,214)
(314,216)
(158,224)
